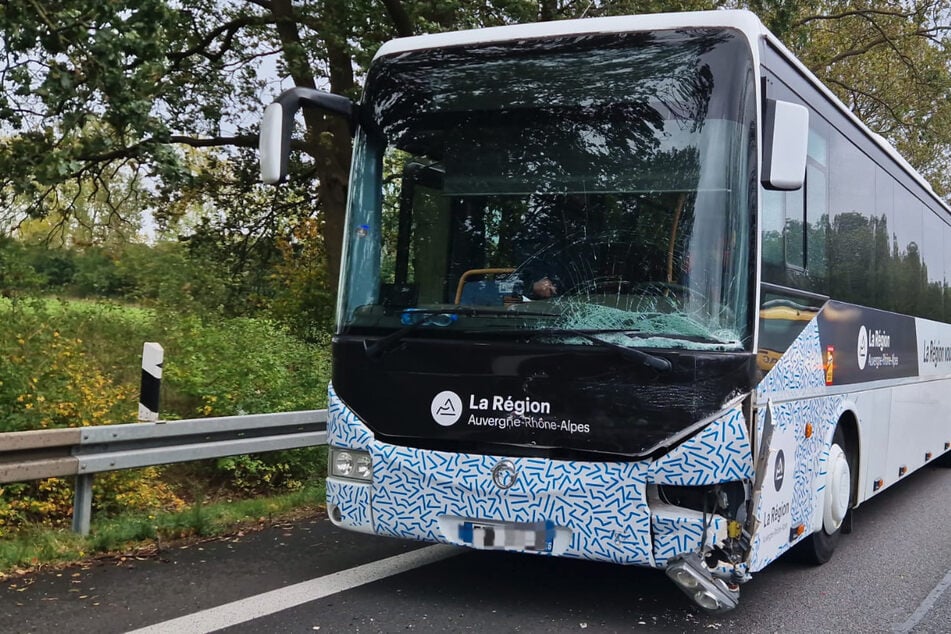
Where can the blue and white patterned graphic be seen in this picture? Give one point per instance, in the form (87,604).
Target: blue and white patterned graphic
(676,533)
(800,372)
(719,453)
(353,501)
(344,429)
(603,504)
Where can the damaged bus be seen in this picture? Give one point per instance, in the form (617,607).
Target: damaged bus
(636,289)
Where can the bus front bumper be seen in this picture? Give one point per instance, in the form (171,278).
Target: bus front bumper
(601,511)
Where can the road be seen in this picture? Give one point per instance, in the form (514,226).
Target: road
(891,574)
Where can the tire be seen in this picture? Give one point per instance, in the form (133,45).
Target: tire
(818,547)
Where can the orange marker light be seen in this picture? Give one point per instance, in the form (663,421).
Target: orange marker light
(800,529)
(808,430)
(830,364)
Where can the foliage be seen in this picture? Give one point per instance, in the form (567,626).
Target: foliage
(283,470)
(242,366)
(49,502)
(303,299)
(67,364)
(48,381)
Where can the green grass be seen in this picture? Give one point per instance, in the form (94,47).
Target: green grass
(39,547)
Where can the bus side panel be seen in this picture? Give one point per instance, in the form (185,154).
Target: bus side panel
(915,429)
(803,423)
(872,408)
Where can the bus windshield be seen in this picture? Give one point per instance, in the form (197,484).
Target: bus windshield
(546,188)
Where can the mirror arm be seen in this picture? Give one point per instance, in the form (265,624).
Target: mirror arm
(275,144)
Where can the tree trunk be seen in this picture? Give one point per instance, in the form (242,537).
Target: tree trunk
(328,138)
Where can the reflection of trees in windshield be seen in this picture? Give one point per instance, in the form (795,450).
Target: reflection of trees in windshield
(611,163)
(574,114)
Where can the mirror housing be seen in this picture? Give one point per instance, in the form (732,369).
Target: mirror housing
(274,141)
(785,143)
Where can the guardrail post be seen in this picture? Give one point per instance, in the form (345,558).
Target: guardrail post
(82,504)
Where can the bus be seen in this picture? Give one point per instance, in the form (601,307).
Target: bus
(632,289)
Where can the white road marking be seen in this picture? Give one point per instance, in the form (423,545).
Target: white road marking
(925,606)
(259,605)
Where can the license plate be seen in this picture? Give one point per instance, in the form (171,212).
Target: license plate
(534,537)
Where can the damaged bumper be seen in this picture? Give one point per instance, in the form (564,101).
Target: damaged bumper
(601,511)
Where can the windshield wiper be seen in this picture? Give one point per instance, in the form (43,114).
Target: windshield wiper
(651,361)
(413,318)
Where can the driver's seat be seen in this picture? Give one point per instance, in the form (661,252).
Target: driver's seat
(484,287)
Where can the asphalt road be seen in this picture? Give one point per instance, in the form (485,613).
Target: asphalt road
(891,574)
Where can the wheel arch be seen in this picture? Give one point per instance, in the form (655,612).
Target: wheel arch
(848,422)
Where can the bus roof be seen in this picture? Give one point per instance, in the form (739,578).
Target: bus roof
(744,21)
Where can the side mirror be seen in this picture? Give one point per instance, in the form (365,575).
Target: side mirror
(785,142)
(274,141)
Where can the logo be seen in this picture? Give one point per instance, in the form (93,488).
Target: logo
(779,470)
(446,408)
(504,475)
(861,347)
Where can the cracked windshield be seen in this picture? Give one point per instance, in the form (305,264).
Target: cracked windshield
(556,190)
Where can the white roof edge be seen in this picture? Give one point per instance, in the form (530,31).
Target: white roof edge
(742,20)
(877,138)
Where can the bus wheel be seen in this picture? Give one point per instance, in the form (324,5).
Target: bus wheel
(819,546)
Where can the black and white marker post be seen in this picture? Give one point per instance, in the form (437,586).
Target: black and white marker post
(152,357)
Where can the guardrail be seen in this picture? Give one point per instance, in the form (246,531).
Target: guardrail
(82,452)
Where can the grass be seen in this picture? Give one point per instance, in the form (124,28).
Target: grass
(39,547)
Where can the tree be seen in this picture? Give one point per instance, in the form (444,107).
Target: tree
(94,89)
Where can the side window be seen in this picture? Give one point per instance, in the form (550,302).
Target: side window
(933,262)
(906,276)
(852,207)
(773,218)
(795,224)
(817,209)
(794,232)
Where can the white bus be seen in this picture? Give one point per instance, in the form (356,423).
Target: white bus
(634,289)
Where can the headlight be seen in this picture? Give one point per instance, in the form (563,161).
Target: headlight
(349,463)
